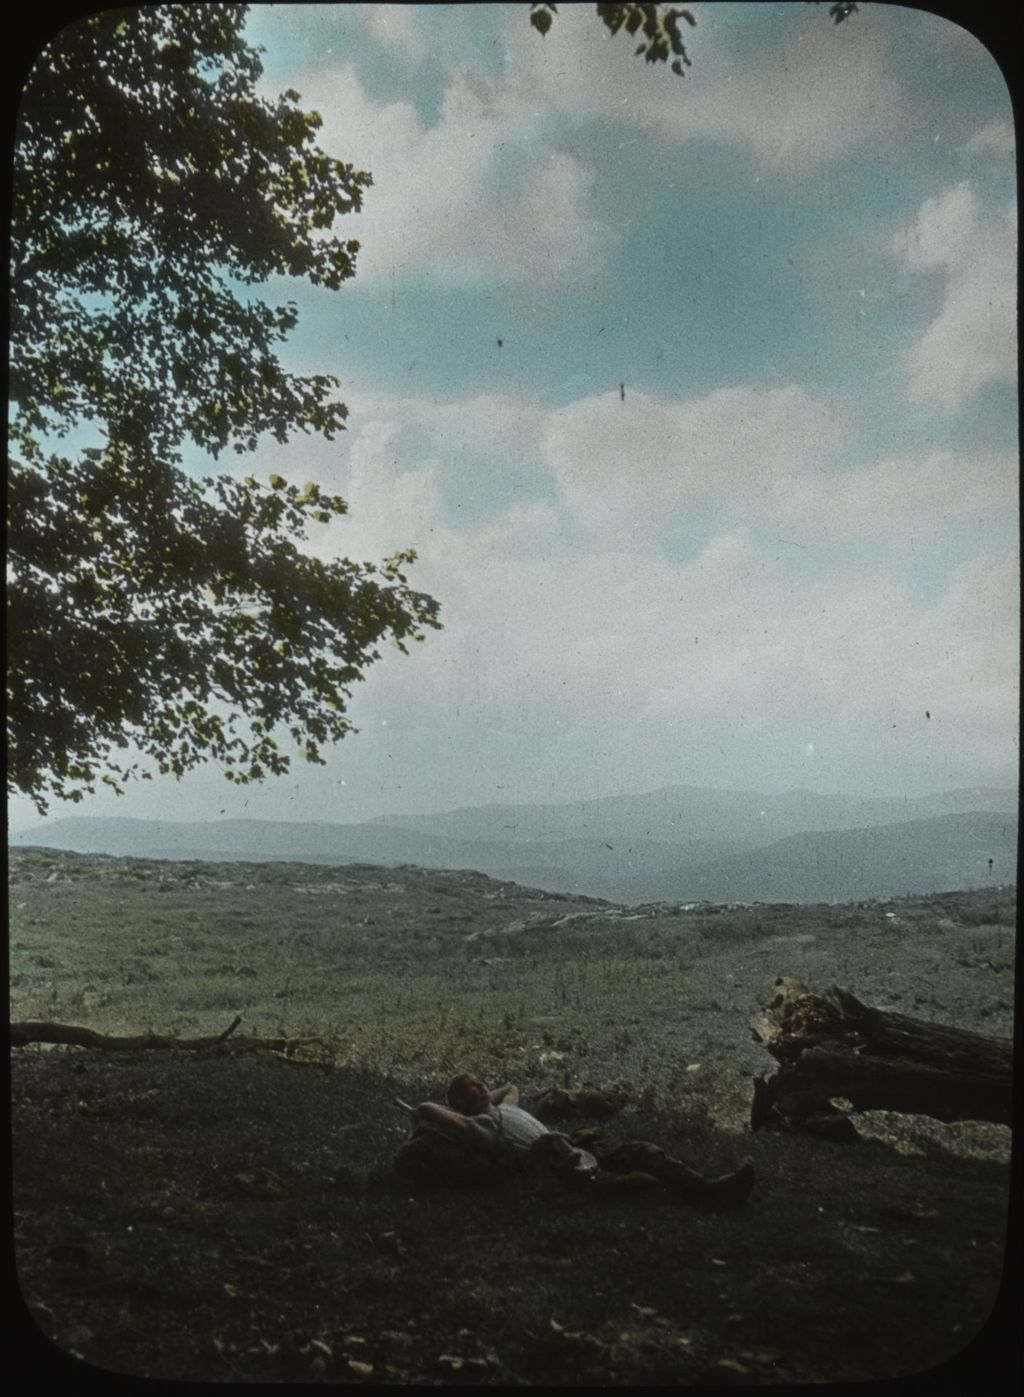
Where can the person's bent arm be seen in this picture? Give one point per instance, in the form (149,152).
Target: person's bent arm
(430,1113)
(508,1094)
(475,1130)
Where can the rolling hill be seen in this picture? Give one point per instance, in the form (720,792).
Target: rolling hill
(917,856)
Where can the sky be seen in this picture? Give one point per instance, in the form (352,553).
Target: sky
(696,397)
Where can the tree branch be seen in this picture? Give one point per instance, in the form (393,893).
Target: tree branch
(73,1035)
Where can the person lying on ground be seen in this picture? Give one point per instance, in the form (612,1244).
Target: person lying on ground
(482,1136)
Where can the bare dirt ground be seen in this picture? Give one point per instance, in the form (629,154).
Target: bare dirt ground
(230,1217)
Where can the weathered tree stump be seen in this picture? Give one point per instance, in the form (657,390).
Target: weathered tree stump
(833,1046)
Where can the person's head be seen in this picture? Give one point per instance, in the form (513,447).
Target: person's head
(468,1095)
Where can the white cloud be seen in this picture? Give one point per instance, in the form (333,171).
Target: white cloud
(438,205)
(626,464)
(622,468)
(972,340)
(605,659)
(794,106)
(801,108)
(995,138)
(486,190)
(577,657)
(882,657)
(900,494)
(394,26)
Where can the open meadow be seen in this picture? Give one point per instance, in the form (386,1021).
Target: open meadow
(226,1215)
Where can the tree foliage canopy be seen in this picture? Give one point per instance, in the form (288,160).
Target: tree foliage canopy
(658,26)
(152,187)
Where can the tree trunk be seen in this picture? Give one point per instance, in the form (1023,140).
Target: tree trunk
(832,1045)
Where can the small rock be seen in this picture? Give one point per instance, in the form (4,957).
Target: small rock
(726,1370)
(76,1335)
(264,1183)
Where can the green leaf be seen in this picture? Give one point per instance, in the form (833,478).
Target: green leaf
(155,190)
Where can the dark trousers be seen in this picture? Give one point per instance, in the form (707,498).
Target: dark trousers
(429,1157)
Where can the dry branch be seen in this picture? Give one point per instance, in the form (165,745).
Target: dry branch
(834,1046)
(31,1031)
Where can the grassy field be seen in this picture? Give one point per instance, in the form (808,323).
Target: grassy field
(149,1241)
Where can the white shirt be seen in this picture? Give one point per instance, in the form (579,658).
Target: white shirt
(509,1130)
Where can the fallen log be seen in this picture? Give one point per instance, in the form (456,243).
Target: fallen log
(833,1046)
(73,1035)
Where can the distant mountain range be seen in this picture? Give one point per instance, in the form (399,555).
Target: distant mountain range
(943,854)
(678,844)
(680,814)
